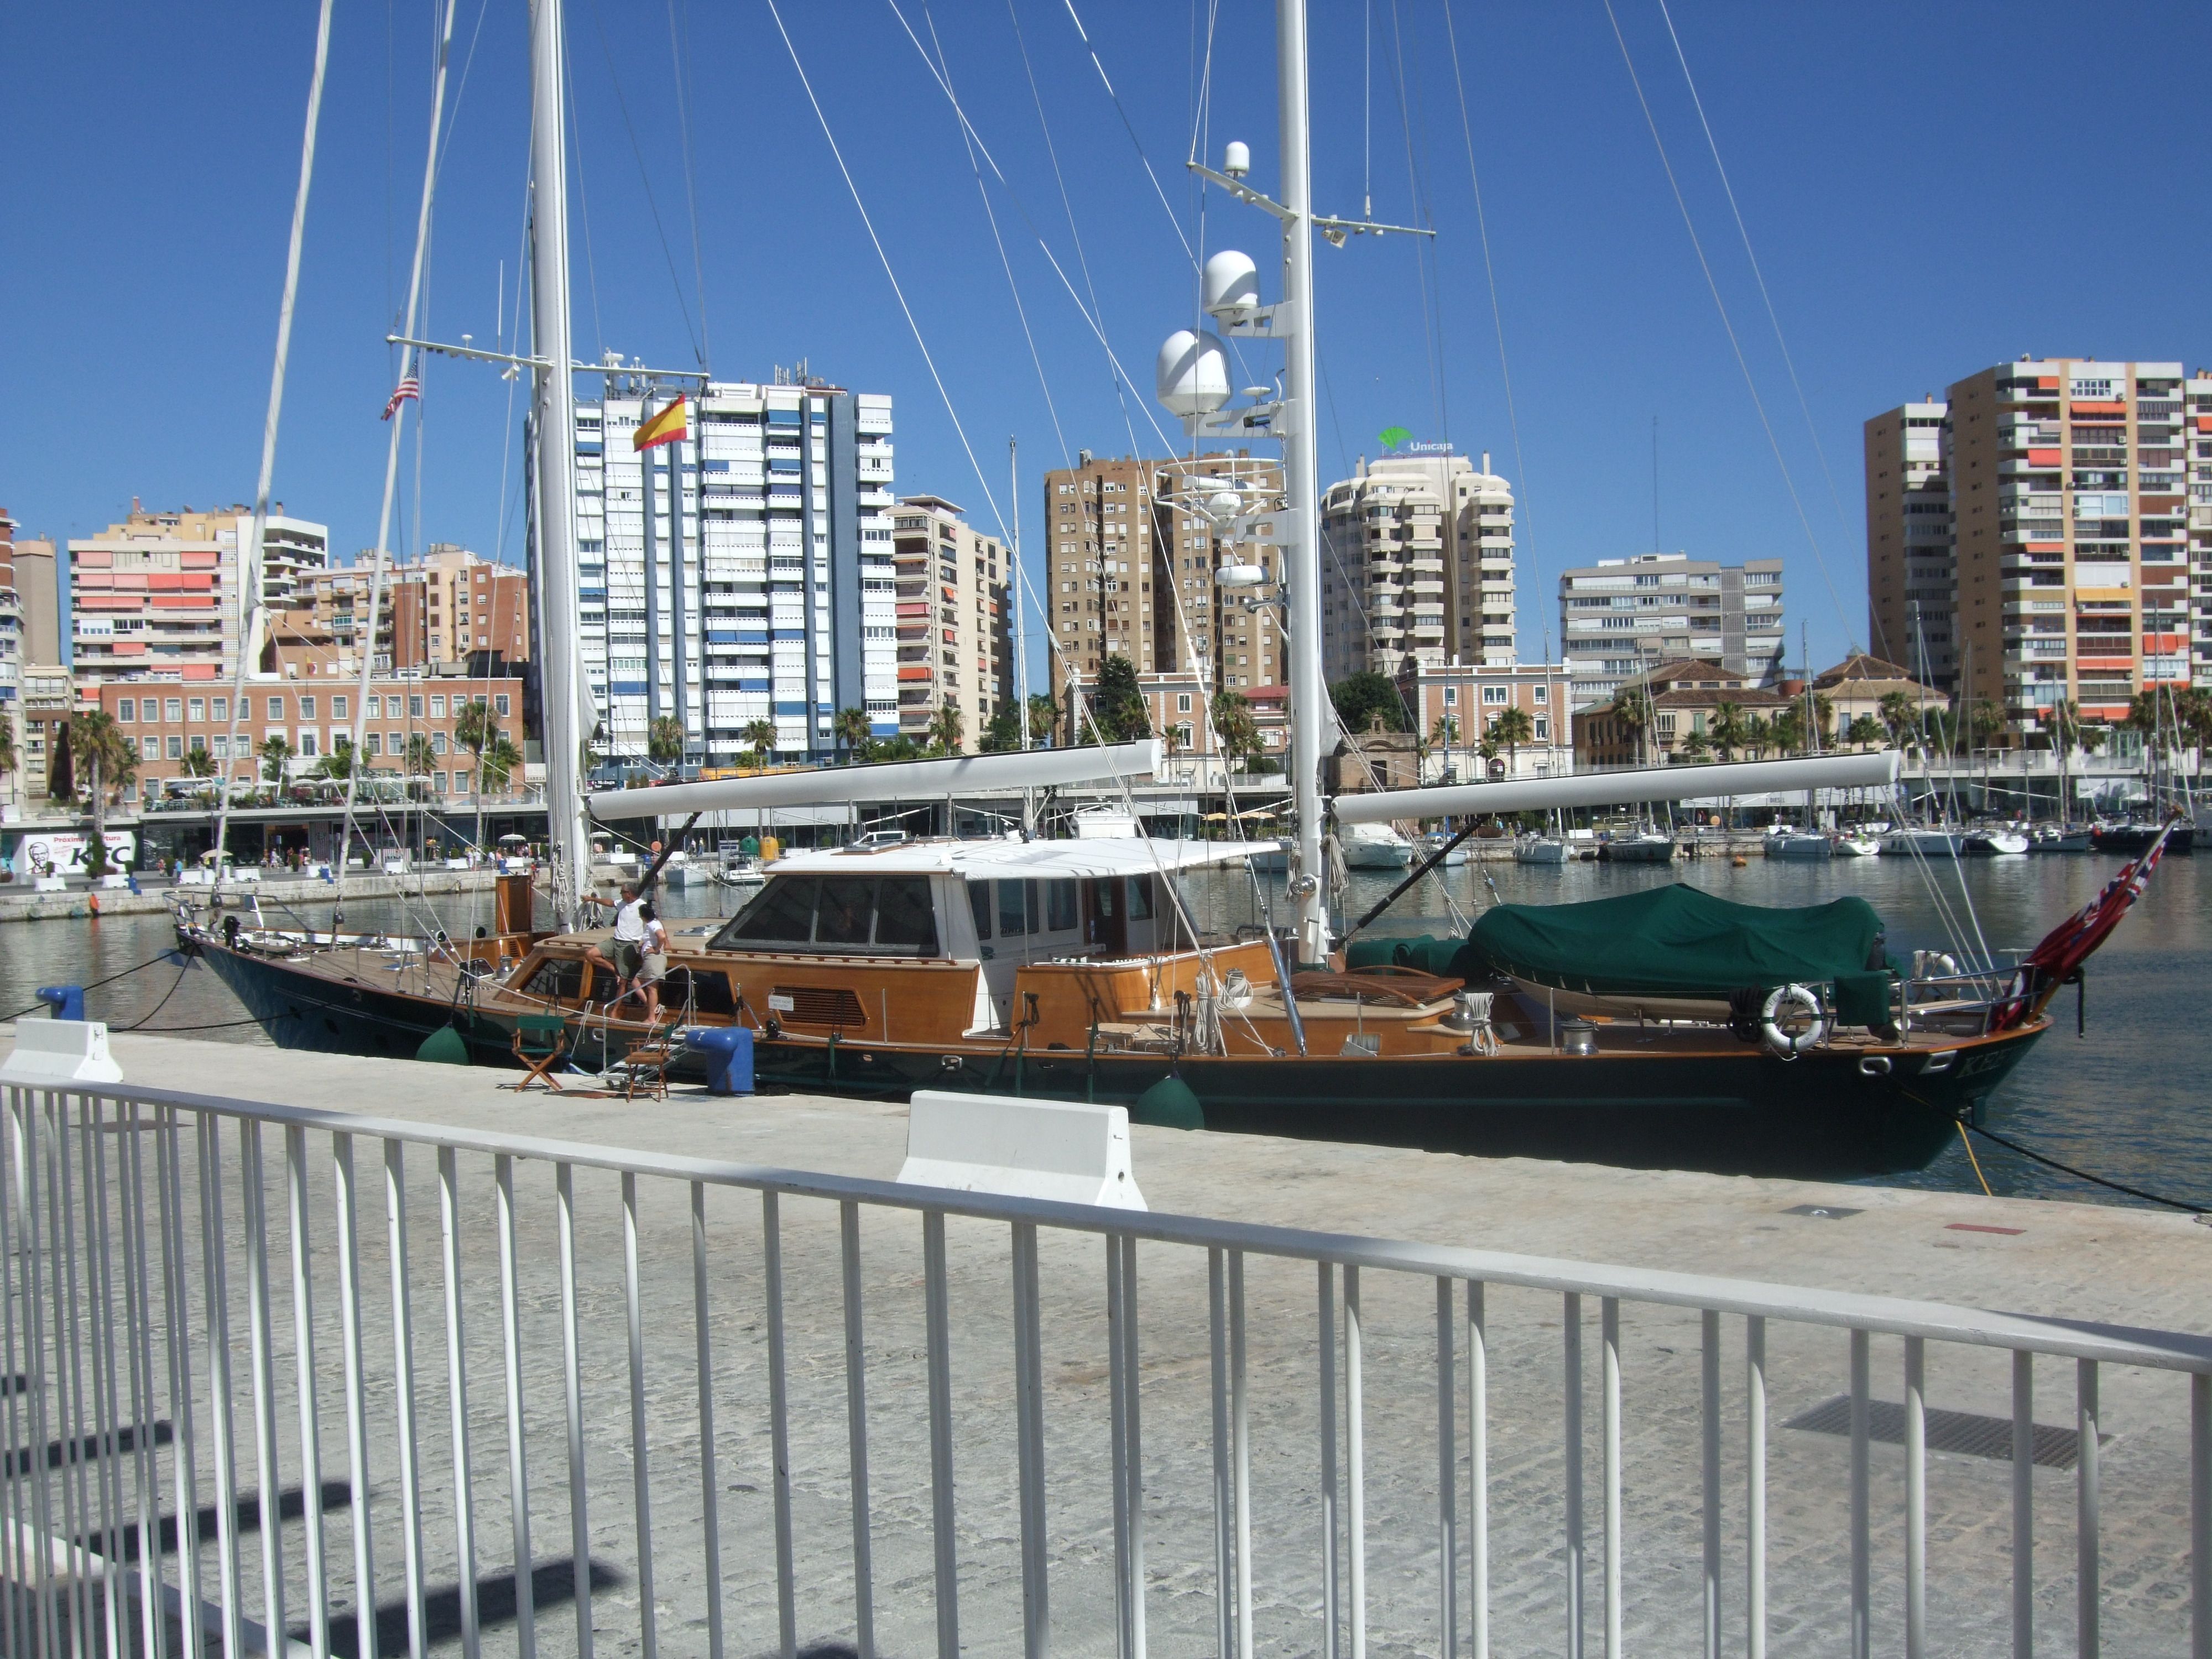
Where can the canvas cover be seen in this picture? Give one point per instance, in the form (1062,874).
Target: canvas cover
(1674,941)
(1677,941)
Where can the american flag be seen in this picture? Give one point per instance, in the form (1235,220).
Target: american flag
(2071,943)
(410,387)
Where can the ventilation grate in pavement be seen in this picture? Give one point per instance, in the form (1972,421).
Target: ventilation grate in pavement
(1968,1433)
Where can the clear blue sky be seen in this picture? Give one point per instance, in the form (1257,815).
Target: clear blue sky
(1929,190)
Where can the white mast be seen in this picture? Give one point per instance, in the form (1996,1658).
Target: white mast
(554,423)
(1301,483)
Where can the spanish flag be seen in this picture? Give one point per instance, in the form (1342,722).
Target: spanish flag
(672,425)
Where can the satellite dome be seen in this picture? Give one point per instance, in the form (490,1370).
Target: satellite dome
(1192,374)
(1232,285)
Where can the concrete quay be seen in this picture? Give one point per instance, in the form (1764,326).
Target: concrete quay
(2061,1259)
(155,897)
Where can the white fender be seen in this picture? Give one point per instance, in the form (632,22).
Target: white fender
(1782,1043)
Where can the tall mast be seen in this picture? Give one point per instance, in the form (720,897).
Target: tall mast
(1301,483)
(555,425)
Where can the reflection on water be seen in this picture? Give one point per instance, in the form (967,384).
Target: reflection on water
(2123,1101)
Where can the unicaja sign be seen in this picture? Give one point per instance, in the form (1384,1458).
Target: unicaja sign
(1397,441)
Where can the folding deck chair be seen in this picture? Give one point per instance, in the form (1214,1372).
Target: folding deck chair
(540,1042)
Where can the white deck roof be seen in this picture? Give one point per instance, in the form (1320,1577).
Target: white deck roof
(1005,859)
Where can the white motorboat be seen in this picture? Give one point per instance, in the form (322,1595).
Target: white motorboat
(1543,849)
(1800,844)
(1928,843)
(1851,844)
(2000,841)
(1441,840)
(1375,846)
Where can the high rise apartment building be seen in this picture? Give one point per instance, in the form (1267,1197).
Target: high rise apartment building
(448,608)
(741,573)
(1417,565)
(1622,617)
(2050,498)
(955,619)
(1130,570)
(158,592)
(11,627)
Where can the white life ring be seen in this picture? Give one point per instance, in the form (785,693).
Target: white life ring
(1780,1041)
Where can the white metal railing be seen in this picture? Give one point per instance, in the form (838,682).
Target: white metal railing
(650,1348)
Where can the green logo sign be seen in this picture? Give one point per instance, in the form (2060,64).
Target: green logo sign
(1391,437)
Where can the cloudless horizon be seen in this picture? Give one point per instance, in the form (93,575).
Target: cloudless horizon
(1917,185)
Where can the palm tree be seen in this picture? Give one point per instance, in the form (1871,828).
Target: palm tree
(945,729)
(422,758)
(1444,733)
(1758,734)
(1513,727)
(497,762)
(1044,719)
(1634,713)
(106,762)
(1726,730)
(1900,714)
(338,763)
(276,758)
(1693,747)
(664,739)
(1786,729)
(853,730)
(759,735)
(198,764)
(1233,723)
(1865,731)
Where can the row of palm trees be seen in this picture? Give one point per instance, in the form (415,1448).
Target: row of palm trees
(1503,732)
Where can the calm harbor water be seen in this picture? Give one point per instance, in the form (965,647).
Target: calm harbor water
(2126,1101)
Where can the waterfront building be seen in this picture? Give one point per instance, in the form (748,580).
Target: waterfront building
(1416,565)
(1457,708)
(450,609)
(1652,717)
(11,626)
(2028,534)
(49,697)
(1858,687)
(955,620)
(1132,569)
(159,591)
(171,721)
(1621,618)
(741,573)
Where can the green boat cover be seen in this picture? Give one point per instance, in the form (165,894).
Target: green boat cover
(1674,941)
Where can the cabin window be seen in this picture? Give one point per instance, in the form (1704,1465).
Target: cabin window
(842,913)
(905,918)
(558,979)
(979,901)
(782,914)
(1062,914)
(1013,915)
(700,990)
(1140,898)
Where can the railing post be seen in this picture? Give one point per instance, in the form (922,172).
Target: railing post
(1754,1506)
(518,1470)
(779,1407)
(1241,1430)
(1332,1643)
(253,1193)
(579,1525)
(1915,1497)
(303,1345)
(710,1483)
(1478,1457)
(641,1475)
(1355,1459)
(2200,1516)
(1447,1475)
(1571,1328)
(2088,1640)
(403,1342)
(219,1393)
(1708,1467)
(1609,1335)
(1028,1446)
(2023,1503)
(183,1462)
(937,1315)
(465,1510)
(856,1431)
(1861,1629)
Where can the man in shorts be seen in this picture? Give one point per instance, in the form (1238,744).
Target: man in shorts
(630,938)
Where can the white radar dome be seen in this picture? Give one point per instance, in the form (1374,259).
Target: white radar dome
(1192,374)
(1236,159)
(1231,286)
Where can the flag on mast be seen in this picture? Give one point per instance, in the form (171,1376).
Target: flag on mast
(672,425)
(2071,944)
(409,387)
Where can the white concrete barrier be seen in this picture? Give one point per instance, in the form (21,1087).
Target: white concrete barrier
(1059,1150)
(51,1052)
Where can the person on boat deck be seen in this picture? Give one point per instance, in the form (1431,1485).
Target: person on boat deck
(629,937)
(653,965)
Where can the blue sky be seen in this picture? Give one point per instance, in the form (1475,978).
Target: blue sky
(1928,189)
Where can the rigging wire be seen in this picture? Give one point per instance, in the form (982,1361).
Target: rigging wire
(1812,429)
(1727,325)
(1128,126)
(1426,276)
(1497,311)
(680,64)
(645,180)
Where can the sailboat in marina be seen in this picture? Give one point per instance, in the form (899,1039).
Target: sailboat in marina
(1086,967)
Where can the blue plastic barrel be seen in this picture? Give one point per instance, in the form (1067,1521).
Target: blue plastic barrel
(729,1052)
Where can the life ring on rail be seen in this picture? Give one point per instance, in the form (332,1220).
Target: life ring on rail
(1782,1043)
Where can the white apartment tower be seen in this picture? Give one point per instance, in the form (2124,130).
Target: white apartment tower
(741,573)
(1417,565)
(1620,617)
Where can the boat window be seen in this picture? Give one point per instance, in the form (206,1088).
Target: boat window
(557,979)
(979,901)
(1013,919)
(841,918)
(1140,898)
(782,914)
(904,915)
(700,990)
(1062,914)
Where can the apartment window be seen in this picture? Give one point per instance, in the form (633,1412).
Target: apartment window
(500,704)
(415,706)
(437,743)
(173,708)
(149,748)
(373,742)
(197,707)
(437,708)
(126,711)
(1543,728)
(1543,694)
(1182,703)
(1493,697)
(1452,696)
(438,781)
(176,747)
(398,740)
(307,746)
(276,709)
(307,709)
(197,742)
(339,709)
(220,745)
